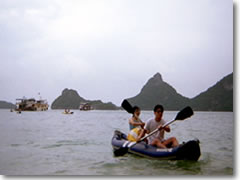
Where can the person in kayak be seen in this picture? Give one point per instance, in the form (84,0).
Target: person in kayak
(135,121)
(157,139)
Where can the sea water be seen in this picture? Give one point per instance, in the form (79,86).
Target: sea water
(52,143)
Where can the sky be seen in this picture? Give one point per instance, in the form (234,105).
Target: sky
(108,49)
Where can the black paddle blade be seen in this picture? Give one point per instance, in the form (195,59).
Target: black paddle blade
(127,106)
(120,152)
(185,113)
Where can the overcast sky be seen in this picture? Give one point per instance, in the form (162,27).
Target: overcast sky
(108,49)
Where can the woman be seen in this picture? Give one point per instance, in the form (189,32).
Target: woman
(135,121)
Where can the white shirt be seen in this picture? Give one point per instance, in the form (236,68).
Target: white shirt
(151,125)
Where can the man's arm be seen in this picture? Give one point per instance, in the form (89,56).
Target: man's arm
(147,129)
(167,129)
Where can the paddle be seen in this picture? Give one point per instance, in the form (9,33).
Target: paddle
(127,106)
(182,115)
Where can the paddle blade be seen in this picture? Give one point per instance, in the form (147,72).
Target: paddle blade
(127,106)
(185,113)
(120,152)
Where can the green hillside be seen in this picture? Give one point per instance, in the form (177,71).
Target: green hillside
(70,99)
(6,105)
(156,91)
(217,98)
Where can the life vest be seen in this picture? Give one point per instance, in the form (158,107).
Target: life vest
(133,134)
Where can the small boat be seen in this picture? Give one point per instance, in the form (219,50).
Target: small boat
(186,151)
(67,112)
(85,107)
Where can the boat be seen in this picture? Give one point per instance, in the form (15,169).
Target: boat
(186,151)
(85,107)
(31,104)
(67,112)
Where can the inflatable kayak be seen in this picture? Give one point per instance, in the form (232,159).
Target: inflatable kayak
(186,151)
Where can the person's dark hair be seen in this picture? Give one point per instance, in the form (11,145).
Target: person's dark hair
(135,108)
(158,106)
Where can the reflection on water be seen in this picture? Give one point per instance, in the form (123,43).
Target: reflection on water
(51,143)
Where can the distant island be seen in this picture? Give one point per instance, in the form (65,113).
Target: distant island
(217,98)
(6,105)
(70,99)
(156,91)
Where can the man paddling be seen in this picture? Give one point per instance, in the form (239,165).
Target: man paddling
(157,139)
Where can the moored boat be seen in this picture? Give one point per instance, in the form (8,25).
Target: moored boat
(85,107)
(31,105)
(67,112)
(185,151)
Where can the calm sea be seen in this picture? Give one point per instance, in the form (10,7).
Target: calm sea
(52,143)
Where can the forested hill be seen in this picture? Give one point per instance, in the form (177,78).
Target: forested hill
(156,91)
(217,98)
(70,99)
(6,105)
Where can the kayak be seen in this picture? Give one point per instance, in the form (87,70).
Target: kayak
(67,112)
(186,151)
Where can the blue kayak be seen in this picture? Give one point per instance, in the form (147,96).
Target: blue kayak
(186,151)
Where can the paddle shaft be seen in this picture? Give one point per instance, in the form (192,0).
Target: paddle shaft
(166,124)
(150,134)
(183,114)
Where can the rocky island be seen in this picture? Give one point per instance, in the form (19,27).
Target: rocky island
(219,97)
(6,105)
(70,99)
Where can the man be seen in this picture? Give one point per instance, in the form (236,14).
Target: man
(157,139)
